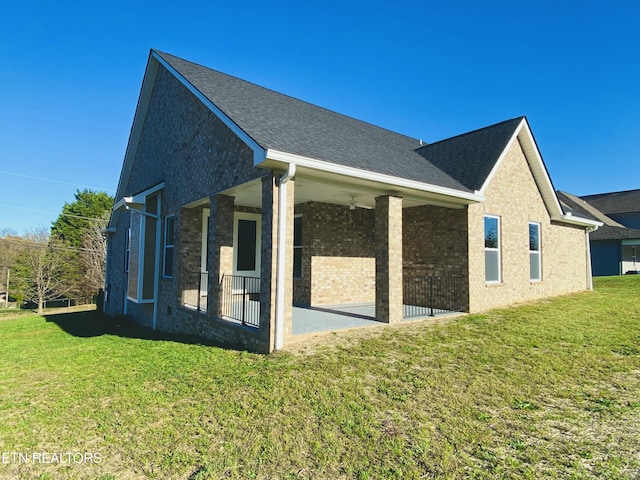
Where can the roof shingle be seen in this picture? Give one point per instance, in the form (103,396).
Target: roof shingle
(615,202)
(470,157)
(280,122)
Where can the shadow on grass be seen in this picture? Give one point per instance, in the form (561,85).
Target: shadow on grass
(96,324)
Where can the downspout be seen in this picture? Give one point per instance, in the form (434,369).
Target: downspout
(280,262)
(107,267)
(156,267)
(589,271)
(620,259)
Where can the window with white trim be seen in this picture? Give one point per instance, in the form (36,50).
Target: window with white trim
(492,270)
(535,263)
(127,249)
(167,266)
(297,246)
(144,250)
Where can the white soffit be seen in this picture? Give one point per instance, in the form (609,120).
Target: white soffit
(381,183)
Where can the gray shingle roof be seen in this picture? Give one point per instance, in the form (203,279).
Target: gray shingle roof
(615,202)
(607,232)
(577,206)
(280,122)
(611,230)
(470,157)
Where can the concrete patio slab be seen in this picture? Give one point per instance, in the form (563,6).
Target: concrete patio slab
(340,317)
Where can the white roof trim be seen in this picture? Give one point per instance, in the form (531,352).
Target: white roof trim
(258,151)
(390,180)
(540,175)
(498,163)
(582,222)
(138,197)
(138,122)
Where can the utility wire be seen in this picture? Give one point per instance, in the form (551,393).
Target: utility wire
(54,181)
(47,211)
(58,246)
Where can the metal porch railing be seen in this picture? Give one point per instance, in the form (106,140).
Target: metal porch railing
(240,299)
(431,295)
(194,294)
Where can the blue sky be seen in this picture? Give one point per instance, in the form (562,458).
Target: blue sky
(70,75)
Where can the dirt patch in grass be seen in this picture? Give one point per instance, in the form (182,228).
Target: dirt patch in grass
(310,344)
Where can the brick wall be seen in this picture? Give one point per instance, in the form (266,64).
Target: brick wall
(338,251)
(338,255)
(184,145)
(513,196)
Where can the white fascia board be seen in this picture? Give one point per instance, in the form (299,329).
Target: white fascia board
(592,225)
(134,135)
(390,180)
(536,164)
(138,197)
(258,151)
(498,163)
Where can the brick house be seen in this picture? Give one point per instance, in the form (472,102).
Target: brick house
(236,205)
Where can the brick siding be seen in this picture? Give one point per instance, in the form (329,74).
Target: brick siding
(513,196)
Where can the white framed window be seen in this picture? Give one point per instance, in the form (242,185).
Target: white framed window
(492,260)
(144,248)
(246,244)
(297,246)
(167,266)
(535,263)
(127,249)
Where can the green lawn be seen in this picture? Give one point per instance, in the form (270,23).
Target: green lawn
(545,390)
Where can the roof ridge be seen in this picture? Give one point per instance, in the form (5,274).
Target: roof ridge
(520,118)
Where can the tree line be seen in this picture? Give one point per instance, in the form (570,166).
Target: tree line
(66,260)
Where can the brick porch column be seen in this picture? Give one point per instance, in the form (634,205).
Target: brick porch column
(220,247)
(389,259)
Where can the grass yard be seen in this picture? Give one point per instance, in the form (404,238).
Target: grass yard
(545,390)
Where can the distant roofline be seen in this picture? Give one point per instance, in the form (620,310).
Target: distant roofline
(609,193)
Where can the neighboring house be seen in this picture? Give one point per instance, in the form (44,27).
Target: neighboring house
(236,202)
(623,207)
(614,246)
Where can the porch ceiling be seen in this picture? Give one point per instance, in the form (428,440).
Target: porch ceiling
(312,185)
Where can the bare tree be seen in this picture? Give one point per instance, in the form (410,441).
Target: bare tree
(41,267)
(11,246)
(93,256)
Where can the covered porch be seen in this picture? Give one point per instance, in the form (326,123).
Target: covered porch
(353,255)
(430,297)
